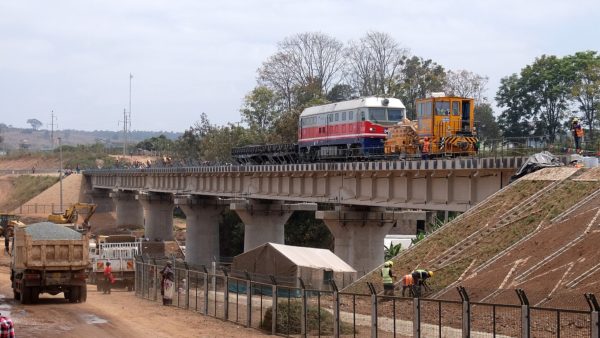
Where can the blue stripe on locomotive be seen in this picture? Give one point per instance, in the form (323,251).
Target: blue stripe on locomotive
(369,145)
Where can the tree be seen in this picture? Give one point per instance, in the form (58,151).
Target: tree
(374,63)
(464,83)
(392,251)
(487,126)
(546,83)
(260,111)
(514,120)
(301,60)
(340,92)
(419,77)
(586,86)
(35,123)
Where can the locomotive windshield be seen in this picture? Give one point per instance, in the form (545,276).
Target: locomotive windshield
(386,114)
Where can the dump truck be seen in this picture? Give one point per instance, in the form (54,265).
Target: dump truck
(49,258)
(120,251)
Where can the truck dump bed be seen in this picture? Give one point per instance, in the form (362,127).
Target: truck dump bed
(48,246)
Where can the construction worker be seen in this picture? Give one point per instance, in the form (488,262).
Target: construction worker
(388,278)
(425,148)
(108,278)
(577,132)
(420,279)
(407,283)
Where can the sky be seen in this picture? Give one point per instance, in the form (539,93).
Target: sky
(74,58)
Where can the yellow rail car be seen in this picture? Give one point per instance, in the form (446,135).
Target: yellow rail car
(445,122)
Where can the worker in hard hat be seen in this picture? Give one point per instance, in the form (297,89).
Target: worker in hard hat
(577,132)
(387,277)
(407,284)
(420,277)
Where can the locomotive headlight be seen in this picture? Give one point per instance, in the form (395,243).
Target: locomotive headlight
(371,129)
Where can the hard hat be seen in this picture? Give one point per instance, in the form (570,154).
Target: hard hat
(575,119)
(390,263)
(386,264)
(430,273)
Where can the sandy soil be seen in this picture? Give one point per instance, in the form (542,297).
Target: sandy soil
(119,314)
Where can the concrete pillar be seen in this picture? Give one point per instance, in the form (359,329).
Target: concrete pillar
(102,199)
(202,229)
(129,210)
(264,220)
(158,215)
(359,233)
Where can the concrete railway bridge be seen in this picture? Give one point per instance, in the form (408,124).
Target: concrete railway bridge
(368,199)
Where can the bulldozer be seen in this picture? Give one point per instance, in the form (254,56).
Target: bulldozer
(72,213)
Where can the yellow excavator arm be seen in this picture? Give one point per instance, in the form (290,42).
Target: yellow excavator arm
(71,213)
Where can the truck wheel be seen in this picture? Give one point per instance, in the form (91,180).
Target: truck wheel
(83,294)
(26,296)
(74,294)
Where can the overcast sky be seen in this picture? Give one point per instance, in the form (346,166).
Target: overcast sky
(188,57)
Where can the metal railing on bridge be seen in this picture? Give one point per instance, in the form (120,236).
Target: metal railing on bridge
(280,307)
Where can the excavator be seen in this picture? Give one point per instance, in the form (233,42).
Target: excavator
(71,214)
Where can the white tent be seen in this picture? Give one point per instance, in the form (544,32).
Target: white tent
(315,266)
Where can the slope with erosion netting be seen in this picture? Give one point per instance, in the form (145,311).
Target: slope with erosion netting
(460,247)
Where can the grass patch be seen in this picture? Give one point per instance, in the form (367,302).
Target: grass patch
(289,320)
(26,188)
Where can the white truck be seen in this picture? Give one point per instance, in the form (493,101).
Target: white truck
(49,258)
(120,251)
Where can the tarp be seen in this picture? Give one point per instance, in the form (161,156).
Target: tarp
(536,162)
(290,262)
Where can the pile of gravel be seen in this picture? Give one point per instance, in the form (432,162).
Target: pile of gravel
(49,230)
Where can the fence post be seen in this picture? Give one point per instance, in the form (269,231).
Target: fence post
(525,317)
(248,299)
(417,317)
(336,309)
(466,312)
(205,289)
(274,305)
(594,308)
(226,296)
(373,310)
(187,286)
(304,309)
(155,277)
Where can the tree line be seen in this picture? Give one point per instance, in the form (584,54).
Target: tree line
(308,69)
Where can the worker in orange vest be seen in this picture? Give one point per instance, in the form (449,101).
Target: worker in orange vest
(577,131)
(407,283)
(425,148)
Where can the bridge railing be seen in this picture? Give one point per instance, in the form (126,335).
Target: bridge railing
(288,310)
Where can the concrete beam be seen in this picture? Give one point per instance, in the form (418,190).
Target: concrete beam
(264,220)
(128,208)
(359,234)
(158,215)
(202,228)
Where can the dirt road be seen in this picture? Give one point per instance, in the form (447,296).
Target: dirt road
(119,314)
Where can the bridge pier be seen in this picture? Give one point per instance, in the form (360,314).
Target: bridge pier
(359,233)
(264,220)
(128,208)
(202,216)
(158,215)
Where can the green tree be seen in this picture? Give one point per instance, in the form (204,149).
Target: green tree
(515,119)
(35,123)
(586,86)
(392,251)
(485,121)
(302,229)
(157,143)
(260,111)
(340,92)
(418,77)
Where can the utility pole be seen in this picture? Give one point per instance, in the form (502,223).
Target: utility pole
(52,124)
(127,120)
(60,173)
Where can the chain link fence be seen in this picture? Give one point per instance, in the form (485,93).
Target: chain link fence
(285,306)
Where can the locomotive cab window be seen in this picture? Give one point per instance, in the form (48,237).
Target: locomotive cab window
(455,109)
(395,115)
(377,114)
(442,108)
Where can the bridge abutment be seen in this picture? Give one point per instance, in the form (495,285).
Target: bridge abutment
(158,215)
(128,209)
(202,229)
